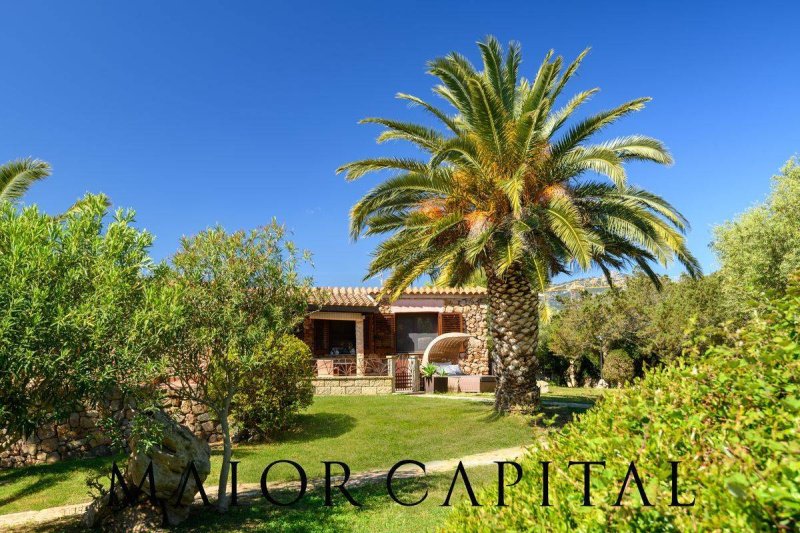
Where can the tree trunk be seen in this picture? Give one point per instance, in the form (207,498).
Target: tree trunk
(222,492)
(514,327)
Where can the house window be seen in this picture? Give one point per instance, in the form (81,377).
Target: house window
(342,337)
(334,337)
(415,331)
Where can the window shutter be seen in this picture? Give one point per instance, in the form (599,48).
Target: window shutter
(368,328)
(321,342)
(384,335)
(451,323)
(308,333)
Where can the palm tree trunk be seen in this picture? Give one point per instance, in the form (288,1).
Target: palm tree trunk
(514,328)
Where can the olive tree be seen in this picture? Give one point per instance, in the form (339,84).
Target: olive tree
(760,248)
(239,294)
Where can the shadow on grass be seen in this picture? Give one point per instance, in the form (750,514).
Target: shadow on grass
(319,426)
(560,415)
(46,476)
(309,427)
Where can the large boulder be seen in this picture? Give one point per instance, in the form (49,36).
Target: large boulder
(178,447)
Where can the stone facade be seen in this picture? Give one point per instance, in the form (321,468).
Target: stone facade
(460,309)
(353,385)
(77,436)
(473,310)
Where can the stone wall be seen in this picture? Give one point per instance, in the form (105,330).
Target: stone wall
(77,436)
(476,359)
(353,385)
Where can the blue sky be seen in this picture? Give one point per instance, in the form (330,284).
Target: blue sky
(196,113)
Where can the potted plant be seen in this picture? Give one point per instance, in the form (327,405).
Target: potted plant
(428,372)
(440,381)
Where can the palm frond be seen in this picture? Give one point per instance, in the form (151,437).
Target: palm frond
(17,176)
(356,169)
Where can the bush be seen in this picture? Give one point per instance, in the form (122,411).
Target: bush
(730,417)
(75,311)
(618,368)
(277,390)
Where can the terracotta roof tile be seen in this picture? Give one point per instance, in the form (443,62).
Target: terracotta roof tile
(367,296)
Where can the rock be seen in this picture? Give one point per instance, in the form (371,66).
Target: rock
(49,445)
(544,387)
(142,518)
(601,384)
(46,432)
(178,448)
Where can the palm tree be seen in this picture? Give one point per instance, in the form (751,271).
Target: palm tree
(17,176)
(509,191)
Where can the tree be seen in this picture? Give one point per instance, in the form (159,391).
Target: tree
(17,176)
(618,368)
(682,312)
(760,248)
(585,330)
(505,191)
(75,310)
(239,294)
(653,326)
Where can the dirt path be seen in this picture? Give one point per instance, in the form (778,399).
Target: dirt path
(547,402)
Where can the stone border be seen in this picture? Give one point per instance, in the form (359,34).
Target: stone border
(353,385)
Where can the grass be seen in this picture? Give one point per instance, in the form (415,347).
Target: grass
(576,394)
(364,432)
(377,511)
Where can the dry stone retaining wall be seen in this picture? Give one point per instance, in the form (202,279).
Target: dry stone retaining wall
(77,436)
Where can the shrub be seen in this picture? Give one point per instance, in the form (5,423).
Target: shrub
(75,311)
(730,417)
(618,367)
(278,388)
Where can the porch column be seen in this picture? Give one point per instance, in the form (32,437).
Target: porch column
(360,346)
(413,362)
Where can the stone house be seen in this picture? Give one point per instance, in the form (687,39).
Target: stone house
(365,344)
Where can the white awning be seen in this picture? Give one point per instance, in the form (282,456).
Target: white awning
(447,346)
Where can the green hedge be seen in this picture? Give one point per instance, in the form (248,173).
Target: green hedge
(731,418)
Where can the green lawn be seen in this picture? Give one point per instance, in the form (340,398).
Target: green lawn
(365,432)
(377,511)
(576,394)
